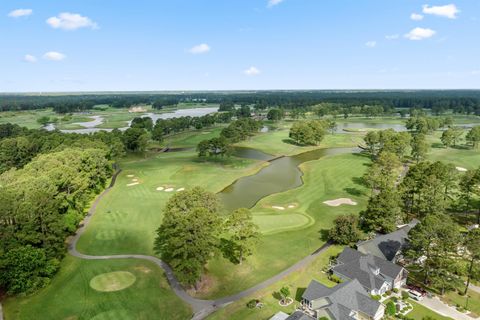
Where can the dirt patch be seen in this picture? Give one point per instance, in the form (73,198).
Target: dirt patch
(339,202)
(205,285)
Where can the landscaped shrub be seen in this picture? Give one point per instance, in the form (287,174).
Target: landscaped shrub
(405,295)
(376,297)
(391,309)
(335,278)
(395,290)
(252,304)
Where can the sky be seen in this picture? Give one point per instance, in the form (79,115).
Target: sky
(147,45)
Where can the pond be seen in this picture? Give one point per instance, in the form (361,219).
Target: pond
(365,125)
(280,175)
(90,126)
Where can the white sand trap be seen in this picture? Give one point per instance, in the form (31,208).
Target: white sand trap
(278,207)
(340,201)
(130,176)
(291,206)
(133,184)
(180,189)
(134,180)
(169,190)
(160,188)
(461,169)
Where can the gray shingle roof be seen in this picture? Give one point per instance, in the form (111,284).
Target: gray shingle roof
(386,246)
(356,265)
(298,315)
(345,297)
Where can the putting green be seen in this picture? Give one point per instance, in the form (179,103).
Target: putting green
(120,314)
(112,281)
(273,223)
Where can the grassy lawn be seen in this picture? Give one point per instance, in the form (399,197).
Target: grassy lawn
(70,295)
(460,156)
(278,143)
(128,216)
(419,312)
(285,242)
(297,282)
(453,298)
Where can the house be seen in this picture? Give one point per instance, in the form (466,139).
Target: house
(279,316)
(299,315)
(375,274)
(348,300)
(388,246)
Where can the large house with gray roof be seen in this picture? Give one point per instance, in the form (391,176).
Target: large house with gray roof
(348,300)
(375,274)
(388,246)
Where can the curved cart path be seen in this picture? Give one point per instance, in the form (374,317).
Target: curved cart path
(201,308)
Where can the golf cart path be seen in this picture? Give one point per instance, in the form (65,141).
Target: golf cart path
(436,305)
(201,308)
(474,288)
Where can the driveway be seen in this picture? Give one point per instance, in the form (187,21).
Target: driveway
(435,304)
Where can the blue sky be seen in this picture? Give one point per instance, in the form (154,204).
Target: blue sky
(93,45)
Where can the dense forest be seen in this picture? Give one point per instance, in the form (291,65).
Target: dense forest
(460,101)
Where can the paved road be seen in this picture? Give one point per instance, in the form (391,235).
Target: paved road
(435,304)
(474,288)
(201,308)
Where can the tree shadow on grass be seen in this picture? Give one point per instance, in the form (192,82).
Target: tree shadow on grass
(354,192)
(293,142)
(229,249)
(276,295)
(360,181)
(324,234)
(299,294)
(438,145)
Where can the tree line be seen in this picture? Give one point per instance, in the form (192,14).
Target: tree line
(405,186)
(460,101)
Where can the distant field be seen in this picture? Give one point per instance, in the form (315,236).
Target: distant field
(71,296)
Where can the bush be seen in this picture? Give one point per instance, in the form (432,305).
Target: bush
(395,290)
(335,278)
(376,297)
(252,304)
(391,309)
(405,295)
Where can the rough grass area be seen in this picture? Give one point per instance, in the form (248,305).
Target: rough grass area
(297,282)
(420,312)
(70,296)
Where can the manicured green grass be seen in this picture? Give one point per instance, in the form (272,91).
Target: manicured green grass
(126,219)
(461,156)
(325,179)
(455,299)
(70,295)
(278,143)
(26,118)
(297,282)
(420,312)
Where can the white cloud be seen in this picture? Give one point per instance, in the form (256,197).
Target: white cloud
(448,11)
(392,36)
(416,16)
(20,13)
(199,49)
(420,34)
(371,44)
(71,21)
(54,56)
(252,71)
(30,58)
(273,3)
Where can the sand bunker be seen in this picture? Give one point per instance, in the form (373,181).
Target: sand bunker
(135,180)
(278,207)
(112,281)
(160,188)
(338,202)
(291,206)
(180,189)
(130,176)
(461,169)
(133,184)
(169,190)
